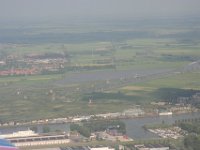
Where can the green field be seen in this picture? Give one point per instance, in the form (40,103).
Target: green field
(36,97)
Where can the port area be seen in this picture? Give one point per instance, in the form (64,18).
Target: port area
(173,132)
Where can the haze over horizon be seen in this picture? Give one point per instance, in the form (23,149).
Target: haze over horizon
(36,10)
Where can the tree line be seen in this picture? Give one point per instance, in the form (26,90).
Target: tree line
(86,128)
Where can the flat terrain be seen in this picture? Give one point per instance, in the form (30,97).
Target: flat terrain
(145,59)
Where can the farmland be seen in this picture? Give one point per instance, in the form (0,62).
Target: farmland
(125,64)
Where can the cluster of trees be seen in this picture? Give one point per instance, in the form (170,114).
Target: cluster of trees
(102,95)
(172,95)
(169,57)
(81,129)
(192,142)
(45,129)
(86,128)
(191,127)
(189,120)
(102,125)
(49,55)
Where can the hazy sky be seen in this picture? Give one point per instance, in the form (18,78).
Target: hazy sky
(66,9)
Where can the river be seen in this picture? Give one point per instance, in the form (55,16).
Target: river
(133,126)
(135,130)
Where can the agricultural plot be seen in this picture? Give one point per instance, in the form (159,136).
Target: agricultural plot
(117,67)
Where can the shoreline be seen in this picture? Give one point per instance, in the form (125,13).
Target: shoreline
(70,119)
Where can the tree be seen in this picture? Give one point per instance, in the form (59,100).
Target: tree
(46,129)
(34,128)
(81,129)
(192,142)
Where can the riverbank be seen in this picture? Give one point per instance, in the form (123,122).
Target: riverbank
(134,126)
(127,114)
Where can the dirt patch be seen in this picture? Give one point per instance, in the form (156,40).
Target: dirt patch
(137,88)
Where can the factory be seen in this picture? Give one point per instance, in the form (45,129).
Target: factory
(40,140)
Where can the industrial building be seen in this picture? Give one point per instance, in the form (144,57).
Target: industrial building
(40,140)
(151,147)
(6,145)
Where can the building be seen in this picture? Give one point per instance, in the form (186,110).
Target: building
(19,134)
(165,113)
(45,142)
(133,112)
(47,149)
(6,145)
(40,140)
(101,148)
(151,147)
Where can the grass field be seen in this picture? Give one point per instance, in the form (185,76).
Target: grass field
(27,100)
(36,97)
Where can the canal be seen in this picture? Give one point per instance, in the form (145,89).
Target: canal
(134,127)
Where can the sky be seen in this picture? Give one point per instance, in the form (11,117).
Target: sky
(112,9)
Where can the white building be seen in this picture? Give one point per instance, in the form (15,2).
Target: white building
(38,143)
(47,149)
(133,112)
(151,147)
(26,133)
(101,148)
(165,113)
